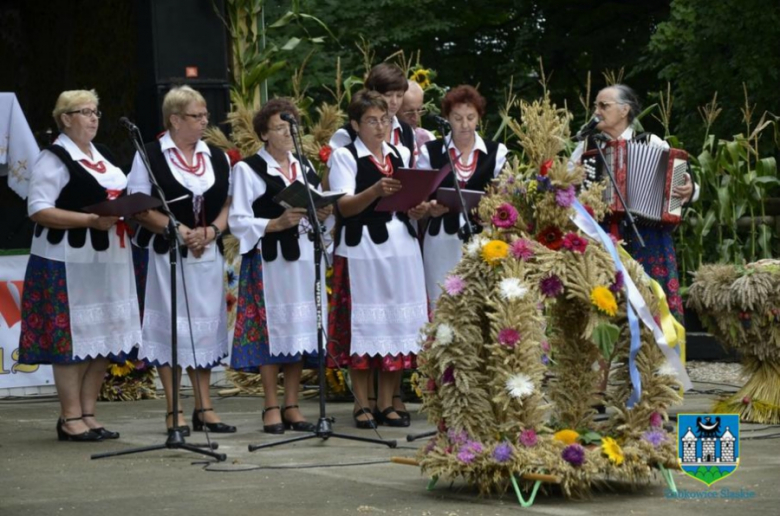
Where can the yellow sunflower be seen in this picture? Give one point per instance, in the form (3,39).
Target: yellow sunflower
(566,436)
(422,78)
(603,299)
(120,370)
(612,450)
(495,251)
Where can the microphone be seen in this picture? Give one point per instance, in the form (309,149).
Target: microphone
(589,128)
(289,118)
(127,124)
(439,120)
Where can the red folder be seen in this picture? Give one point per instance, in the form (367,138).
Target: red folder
(125,206)
(449,198)
(416,186)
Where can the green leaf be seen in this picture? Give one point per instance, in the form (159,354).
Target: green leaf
(284,20)
(605,335)
(590,437)
(291,43)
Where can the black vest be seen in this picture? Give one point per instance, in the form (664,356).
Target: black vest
(479,180)
(376,221)
(213,199)
(407,135)
(264,207)
(82,190)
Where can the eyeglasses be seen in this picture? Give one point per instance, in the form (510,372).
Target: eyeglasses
(418,112)
(604,105)
(374,122)
(85,112)
(197,116)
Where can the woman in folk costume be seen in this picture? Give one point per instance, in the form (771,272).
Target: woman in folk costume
(618,106)
(477,162)
(79,305)
(276,322)
(185,166)
(379,303)
(388,80)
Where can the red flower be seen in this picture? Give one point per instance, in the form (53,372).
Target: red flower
(61,321)
(673,285)
(546,166)
(589,210)
(550,237)
(34,321)
(324,153)
(234,155)
(575,243)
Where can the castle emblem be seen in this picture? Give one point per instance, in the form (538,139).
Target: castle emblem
(708,445)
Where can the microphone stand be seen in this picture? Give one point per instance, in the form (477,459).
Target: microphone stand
(468,230)
(324,424)
(622,200)
(175,439)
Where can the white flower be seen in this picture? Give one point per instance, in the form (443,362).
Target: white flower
(474,247)
(595,366)
(519,386)
(512,288)
(666,369)
(444,334)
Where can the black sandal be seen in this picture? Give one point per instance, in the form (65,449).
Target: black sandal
(62,435)
(297,426)
(396,422)
(403,413)
(276,428)
(102,432)
(217,428)
(364,424)
(184,430)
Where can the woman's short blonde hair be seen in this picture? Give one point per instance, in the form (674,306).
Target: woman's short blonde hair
(176,101)
(69,101)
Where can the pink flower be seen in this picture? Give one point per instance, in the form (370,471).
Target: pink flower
(454,285)
(545,345)
(617,286)
(528,438)
(656,420)
(508,337)
(575,243)
(505,216)
(521,249)
(565,196)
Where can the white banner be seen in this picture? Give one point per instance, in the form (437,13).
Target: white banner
(12,373)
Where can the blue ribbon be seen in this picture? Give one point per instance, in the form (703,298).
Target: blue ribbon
(633,320)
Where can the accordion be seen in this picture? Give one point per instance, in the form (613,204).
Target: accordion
(646,175)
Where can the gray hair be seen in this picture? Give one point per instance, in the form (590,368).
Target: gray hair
(627,96)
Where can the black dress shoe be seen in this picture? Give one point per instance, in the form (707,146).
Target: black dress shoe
(217,428)
(183,430)
(276,428)
(102,432)
(297,426)
(365,424)
(397,422)
(62,435)
(404,414)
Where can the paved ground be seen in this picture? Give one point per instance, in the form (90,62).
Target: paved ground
(40,476)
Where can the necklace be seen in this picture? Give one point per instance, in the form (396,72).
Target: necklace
(198,169)
(386,168)
(98,167)
(464,171)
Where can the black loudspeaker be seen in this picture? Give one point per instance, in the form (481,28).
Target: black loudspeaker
(181,42)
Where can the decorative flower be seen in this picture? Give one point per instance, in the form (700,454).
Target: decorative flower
(532,187)
(454,285)
(505,216)
(612,450)
(508,337)
(519,386)
(457,436)
(449,376)
(545,359)
(475,245)
(545,167)
(431,385)
(422,77)
(550,237)
(545,345)
(521,249)
(528,438)
(656,420)
(324,153)
(565,197)
(234,155)
(575,243)
(444,334)
(511,289)
(466,456)
(617,285)
(574,454)
(589,210)
(543,184)
(120,370)
(566,436)
(503,452)
(495,251)
(603,299)
(655,437)
(551,286)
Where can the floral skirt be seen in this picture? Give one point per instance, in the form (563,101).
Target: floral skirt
(250,338)
(339,329)
(659,259)
(46,332)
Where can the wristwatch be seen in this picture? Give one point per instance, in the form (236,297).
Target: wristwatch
(217,232)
